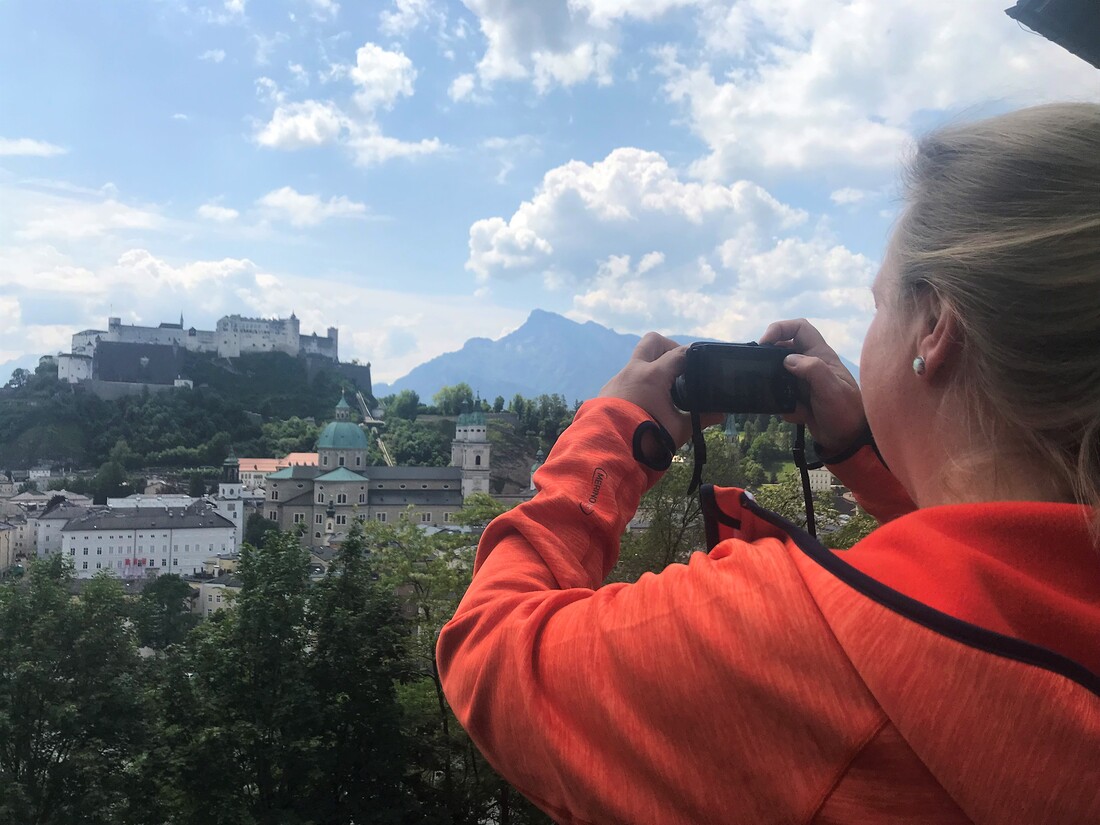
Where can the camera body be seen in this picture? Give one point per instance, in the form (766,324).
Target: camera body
(735,378)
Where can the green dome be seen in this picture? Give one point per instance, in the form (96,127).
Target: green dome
(342,435)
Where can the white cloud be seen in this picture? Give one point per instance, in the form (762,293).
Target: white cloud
(845,82)
(29,148)
(265,46)
(213,55)
(46,216)
(849,196)
(180,116)
(405,16)
(558,42)
(325,9)
(370,147)
(304,124)
(215,212)
(308,210)
(381,77)
(640,247)
(461,87)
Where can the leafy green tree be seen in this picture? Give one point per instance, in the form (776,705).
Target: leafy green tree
(18,378)
(196,485)
(256,527)
(71,711)
(28,486)
(239,713)
(478,510)
(787,499)
(454,400)
(431,574)
(163,613)
(856,529)
(670,522)
(498,404)
(111,482)
(356,658)
(406,405)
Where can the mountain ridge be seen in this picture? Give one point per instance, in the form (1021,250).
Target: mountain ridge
(548,353)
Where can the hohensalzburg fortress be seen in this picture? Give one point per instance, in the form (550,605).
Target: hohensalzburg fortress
(235,335)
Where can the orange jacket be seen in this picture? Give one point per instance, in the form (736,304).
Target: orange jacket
(942,671)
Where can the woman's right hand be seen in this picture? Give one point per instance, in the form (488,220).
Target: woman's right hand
(834,414)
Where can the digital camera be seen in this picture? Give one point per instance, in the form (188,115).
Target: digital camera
(735,378)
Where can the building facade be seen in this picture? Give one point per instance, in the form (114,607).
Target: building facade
(234,335)
(321,501)
(138,542)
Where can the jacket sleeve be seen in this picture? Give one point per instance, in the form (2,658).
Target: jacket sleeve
(877,490)
(708,692)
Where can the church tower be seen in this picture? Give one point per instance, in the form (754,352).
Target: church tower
(342,442)
(470,452)
(228,502)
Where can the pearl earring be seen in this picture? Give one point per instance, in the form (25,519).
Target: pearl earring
(919,365)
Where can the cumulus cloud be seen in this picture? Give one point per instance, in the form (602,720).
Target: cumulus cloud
(325,9)
(405,16)
(29,148)
(47,216)
(303,124)
(461,87)
(849,196)
(845,82)
(308,210)
(213,55)
(639,247)
(216,212)
(379,79)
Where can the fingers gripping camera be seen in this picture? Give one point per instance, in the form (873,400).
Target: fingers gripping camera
(735,378)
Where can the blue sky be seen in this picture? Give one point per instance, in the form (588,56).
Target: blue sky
(418,172)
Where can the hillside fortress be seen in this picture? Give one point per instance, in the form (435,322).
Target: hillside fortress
(235,335)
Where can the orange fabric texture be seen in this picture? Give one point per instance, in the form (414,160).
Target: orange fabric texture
(751,684)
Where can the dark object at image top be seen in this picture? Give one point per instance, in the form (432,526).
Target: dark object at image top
(1072,24)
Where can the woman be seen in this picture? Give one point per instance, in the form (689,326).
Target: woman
(947,668)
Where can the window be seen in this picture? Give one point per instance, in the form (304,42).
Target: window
(85,566)
(72,551)
(477,461)
(341,461)
(362,498)
(99,551)
(324,460)
(232,508)
(446,516)
(273,515)
(175,562)
(209,597)
(342,498)
(358,460)
(85,551)
(274,495)
(318,519)
(425,518)
(320,498)
(98,565)
(341,519)
(164,562)
(381,516)
(299,518)
(317,535)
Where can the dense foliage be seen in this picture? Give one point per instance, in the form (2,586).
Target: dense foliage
(305,702)
(44,420)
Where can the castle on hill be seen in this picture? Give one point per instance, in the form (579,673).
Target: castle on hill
(234,336)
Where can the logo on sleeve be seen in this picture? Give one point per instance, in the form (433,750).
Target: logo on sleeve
(589,506)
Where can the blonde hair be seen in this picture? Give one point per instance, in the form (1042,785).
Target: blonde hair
(1002,221)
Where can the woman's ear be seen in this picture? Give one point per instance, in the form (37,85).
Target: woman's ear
(940,342)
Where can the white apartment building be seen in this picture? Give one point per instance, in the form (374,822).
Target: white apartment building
(47,525)
(821,480)
(135,542)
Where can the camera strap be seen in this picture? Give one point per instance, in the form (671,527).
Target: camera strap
(799,453)
(699,451)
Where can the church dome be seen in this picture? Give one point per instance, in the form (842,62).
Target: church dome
(342,435)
